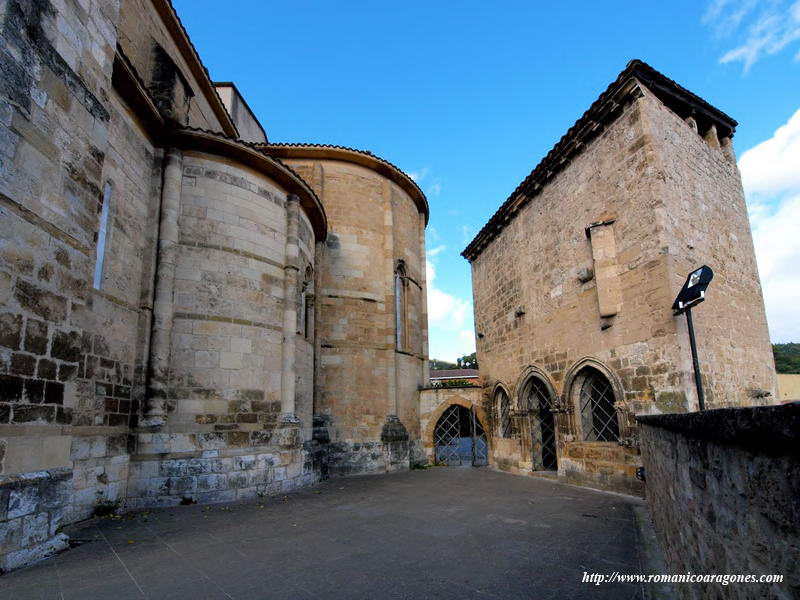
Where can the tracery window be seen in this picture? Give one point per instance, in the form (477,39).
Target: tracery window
(503,413)
(596,401)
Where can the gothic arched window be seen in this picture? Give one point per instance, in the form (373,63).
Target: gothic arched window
(503,412)
(596,401)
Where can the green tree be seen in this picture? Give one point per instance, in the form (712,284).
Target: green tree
(787,357)
(468,361)
(441,365)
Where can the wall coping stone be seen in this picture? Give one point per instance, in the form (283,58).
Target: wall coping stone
(450,387)
(764,427)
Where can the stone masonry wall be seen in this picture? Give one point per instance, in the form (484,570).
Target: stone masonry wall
(722,487)
(223,439)
(554,295)
(361,378)
(536,309)
(32,508)
(226,344)
(704,220)
(74,356)
(165,70)
(68,351)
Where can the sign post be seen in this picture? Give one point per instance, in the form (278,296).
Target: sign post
(692,293)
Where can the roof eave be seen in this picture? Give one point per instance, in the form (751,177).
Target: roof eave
(359,157)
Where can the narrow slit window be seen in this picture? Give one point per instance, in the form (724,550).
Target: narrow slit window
(102,238)
(400,284)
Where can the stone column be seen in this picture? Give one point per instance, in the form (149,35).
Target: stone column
(393,429)
(161,334)
(391,305)
(290,281)
(423,275)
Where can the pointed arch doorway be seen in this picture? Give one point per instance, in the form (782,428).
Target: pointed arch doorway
(459,438)
(539,401)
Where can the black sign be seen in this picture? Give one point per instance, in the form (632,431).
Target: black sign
(694,290)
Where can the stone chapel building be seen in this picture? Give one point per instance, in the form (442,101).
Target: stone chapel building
(188,312)
(575,274)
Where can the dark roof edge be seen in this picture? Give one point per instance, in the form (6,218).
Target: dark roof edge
(360,157)
(604,110)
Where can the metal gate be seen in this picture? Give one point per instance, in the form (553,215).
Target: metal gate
(459,438)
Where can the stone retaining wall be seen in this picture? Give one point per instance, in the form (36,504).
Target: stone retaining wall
(32,507)
(723,488)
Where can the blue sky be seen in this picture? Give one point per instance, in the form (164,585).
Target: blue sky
(469,96)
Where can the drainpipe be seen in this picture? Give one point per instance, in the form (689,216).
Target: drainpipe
(158,371)
(290,278)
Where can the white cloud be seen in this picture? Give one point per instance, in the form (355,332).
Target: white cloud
(772,185)
(435,251)
(778,254)
(444,310)
(726,21)
(773,166)
(775,26)
(466,234)
(467,339)
(435,189)
(418,175)
(449,318)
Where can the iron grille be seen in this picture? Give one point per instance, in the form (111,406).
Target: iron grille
(540,403)
(598,414)
(447,437)
(505,414)
(459,438)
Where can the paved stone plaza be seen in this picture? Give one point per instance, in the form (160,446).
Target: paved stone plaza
(437,533)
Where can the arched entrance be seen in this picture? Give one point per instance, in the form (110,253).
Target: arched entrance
(539,402)
(459,438)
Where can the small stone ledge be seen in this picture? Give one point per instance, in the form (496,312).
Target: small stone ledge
(764,427)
